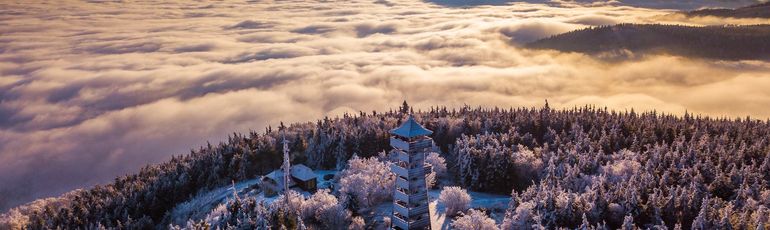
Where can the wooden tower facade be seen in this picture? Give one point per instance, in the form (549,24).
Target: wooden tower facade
(410,141)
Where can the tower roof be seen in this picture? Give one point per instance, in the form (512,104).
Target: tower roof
(410,128)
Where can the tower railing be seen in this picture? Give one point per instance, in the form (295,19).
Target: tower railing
(401,209)
(399,195)
(419,209)
(402,183)
(421,222)
(416,172)
(398,143)
(398,170)
(402,156)
(418,196)
(398,222)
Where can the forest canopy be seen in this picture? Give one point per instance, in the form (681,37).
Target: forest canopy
(564,168)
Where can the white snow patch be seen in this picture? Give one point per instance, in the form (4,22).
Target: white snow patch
(197,207)
(497,205)
(326,184)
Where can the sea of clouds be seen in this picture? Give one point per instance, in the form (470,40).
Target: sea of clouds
(90,90)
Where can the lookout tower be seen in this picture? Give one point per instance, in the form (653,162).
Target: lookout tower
(410,141)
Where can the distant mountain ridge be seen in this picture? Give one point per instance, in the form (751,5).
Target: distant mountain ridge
(761,10)
(714,42)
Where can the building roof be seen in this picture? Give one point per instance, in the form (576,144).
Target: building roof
(302,172)
(275,174)
(410,128)
(277,177)
(298,171)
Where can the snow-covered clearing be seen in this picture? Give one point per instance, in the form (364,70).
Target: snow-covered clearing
(325,184)
(197,207)
(496,204)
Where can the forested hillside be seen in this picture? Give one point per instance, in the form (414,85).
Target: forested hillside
(564,168)
(624,40)
(761,10)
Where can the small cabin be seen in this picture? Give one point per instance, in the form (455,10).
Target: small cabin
(272,183)
(301,176)
(304,177)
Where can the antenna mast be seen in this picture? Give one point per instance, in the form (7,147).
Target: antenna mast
(286,166)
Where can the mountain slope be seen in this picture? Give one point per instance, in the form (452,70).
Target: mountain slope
(754,11)
(571,167)
(715,42)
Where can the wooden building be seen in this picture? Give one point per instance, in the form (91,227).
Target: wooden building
(301,176)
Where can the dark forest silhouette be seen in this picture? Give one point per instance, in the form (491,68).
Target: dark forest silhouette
(761,10)
(715,42)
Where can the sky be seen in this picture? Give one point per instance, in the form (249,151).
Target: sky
(91,90)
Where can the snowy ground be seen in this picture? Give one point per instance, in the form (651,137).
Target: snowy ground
(322,184)
(197,208)
(495,203)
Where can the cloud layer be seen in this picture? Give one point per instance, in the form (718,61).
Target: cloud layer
(93,90)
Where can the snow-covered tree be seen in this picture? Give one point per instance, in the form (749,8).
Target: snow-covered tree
(703,220)
(335,217)
(474,220)
(655,167)
(623,169)
(431,180)
(438,169)
(386,222)
(762,218)
(13,219)
(628,223)
(437,163)
(290,201)
(523,217)
(585,225)
(367,181)
(357,223)
(323,207)
(455,199)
